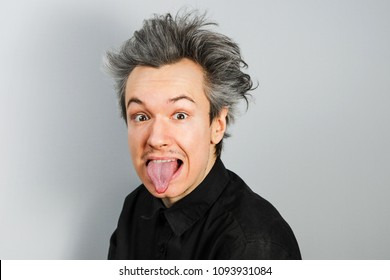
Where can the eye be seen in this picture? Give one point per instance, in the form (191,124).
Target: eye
(140,118)
(180,116)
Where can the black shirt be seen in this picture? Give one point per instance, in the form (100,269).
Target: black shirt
(221,219)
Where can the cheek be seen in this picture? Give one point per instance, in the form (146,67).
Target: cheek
(195,140)
(134,141)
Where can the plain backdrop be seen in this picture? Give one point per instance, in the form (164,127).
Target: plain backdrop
(315,141)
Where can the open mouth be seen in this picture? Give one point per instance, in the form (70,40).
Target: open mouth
(162,171)
(162,161)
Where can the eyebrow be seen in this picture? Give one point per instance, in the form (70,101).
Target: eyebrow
(172,100)
(181,97)
(134,100)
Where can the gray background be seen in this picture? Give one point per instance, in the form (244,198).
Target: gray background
(315,142)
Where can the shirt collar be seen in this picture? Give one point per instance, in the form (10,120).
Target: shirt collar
(184,213)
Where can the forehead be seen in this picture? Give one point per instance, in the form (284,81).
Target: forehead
(183,77)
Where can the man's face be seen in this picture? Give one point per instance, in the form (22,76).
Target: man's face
(170,137)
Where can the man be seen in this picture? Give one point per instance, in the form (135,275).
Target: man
(178,85)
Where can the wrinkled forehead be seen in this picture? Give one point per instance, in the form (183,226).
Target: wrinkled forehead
(184,78)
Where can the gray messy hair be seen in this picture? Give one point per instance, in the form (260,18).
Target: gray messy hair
(164,39)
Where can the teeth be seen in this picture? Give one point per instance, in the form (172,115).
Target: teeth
(163,160)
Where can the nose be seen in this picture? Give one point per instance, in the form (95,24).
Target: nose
(159,134)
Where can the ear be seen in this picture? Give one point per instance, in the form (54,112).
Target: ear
(218,126)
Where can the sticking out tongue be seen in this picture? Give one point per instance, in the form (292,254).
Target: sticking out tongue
(161,173)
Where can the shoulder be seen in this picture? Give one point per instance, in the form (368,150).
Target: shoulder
(263,229)
(138,193)
(247,206)
(135,202)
